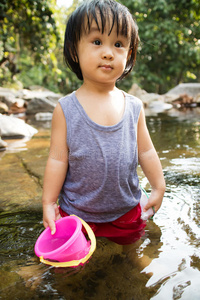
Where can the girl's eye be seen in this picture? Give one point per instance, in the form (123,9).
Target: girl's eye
(97,43)
(118,44)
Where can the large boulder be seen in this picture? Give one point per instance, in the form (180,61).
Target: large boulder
(191,89)
(14,127)
(40,100)
(40,104)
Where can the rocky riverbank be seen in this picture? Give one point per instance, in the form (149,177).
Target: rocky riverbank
(17,106)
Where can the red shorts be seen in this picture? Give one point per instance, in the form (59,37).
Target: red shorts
(125,230)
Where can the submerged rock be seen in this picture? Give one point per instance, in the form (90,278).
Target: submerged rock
(22,170)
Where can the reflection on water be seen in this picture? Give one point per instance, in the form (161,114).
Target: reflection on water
(165,264)
(178,144)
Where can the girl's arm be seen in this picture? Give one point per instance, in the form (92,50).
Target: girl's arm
(150,164)
(56,169)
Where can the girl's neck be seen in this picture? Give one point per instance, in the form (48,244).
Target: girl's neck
(97,89)
(104,106)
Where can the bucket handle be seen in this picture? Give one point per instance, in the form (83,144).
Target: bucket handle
(75,263)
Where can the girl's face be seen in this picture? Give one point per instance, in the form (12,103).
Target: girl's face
(102,56)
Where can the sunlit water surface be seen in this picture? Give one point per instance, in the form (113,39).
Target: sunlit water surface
(170,247)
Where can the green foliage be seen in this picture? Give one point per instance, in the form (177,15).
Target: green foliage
(31,43)
(170,42)
(32,33)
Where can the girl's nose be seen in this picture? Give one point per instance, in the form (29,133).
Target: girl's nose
(107,54)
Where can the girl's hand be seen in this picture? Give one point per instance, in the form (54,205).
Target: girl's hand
(50,215)
(155,200)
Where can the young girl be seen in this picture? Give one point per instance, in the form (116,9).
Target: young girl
(99,132)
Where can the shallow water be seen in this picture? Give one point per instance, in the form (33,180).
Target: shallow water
(166,263)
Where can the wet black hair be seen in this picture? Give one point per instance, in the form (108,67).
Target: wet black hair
(103,12)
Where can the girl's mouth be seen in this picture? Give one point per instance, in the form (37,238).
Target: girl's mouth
(106,67)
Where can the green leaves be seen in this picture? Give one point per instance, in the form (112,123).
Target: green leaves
(170,42)
(31,44)
(27,29)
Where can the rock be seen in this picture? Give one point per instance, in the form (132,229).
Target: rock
(43,116)
(3,145)
(184,114)
(12,100)
(137,91)
(197,99)
(7,97)
(38,88)
(32,101)
(41,101)
(183,95)
(40,105)
(3,108)
(169,98)
(14,127)
(191,89)
(182,100)
(159,106)
(28,94)
(146,98)
(18,107)
(7,90)
(22,174)
(153,103)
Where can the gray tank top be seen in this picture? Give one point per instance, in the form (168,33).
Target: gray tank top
(101,182)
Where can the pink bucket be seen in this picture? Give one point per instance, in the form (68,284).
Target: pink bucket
(67,244)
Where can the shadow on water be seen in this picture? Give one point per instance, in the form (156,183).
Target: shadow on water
(165,264)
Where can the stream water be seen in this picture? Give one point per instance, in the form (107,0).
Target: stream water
(164,265)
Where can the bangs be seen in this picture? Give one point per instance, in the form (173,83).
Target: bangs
(107,17)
